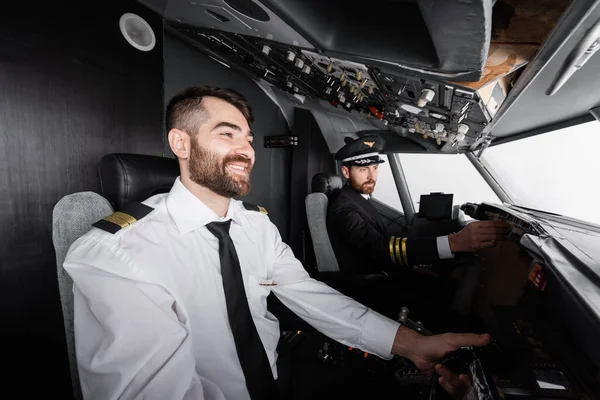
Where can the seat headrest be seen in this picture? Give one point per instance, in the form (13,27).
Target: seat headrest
(126,178)
(326,182)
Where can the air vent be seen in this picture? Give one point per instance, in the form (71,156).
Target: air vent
(217,16)
(248,8)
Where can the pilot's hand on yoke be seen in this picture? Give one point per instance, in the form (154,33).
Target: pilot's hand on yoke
(478,235)
(427,351)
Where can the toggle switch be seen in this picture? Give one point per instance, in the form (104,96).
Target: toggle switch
(426,96)
(330,67)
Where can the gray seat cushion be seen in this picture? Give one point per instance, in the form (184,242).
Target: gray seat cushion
(72,217)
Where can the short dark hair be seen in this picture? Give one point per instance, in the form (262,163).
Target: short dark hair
(186,112)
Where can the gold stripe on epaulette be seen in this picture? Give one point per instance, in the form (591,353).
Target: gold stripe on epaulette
(120,218)
(392,249)
(404,255)
(398,251)
(263,210)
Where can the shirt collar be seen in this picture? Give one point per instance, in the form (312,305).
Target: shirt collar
(190,213)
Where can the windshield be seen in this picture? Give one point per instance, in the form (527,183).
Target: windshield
(556,172)
(447,173)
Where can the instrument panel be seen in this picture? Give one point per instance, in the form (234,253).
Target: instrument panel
(539,351)
(449,115)
(520,224)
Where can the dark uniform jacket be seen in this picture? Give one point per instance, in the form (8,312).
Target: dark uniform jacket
(362,244)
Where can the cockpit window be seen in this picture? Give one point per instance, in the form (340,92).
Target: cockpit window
(385,189)
(446,173)
(556,172)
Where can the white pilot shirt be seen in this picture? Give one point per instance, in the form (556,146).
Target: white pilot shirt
(150,314)
(443,243)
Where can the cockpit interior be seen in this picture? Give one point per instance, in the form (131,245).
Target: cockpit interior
(467,96)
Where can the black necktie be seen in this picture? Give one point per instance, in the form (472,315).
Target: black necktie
(250,350)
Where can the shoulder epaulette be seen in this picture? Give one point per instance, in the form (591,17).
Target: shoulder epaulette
(118,220)
(254,207)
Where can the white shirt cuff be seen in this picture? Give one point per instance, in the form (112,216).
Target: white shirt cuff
(443,246)
(378,334)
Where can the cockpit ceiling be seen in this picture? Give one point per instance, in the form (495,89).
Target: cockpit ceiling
(534,109)
(436,70)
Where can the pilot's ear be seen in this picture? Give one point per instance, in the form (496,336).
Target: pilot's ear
(180,143)
(346,172)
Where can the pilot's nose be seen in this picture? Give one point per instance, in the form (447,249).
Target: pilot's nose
(245,149)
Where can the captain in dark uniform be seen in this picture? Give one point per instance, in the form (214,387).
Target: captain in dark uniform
(360,239)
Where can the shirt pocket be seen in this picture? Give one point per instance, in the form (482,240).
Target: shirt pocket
(258,290)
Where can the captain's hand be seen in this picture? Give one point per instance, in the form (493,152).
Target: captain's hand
(457,386)
(478,235)
(426,351)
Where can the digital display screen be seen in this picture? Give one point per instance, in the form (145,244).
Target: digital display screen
(436,206)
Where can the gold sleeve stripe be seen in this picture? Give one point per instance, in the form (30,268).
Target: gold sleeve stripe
(120,218)
(398,251)
(392,249)
(404,255)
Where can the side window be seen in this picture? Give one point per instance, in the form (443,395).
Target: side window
(447,173)
(385,189)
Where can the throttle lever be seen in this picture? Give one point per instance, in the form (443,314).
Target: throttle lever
(469,360)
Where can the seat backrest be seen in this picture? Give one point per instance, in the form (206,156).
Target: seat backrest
(324,185)
(127,178)
(72,217)
(316,212)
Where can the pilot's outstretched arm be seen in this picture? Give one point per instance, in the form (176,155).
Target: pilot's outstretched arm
(395,251)
(332,313)
(129,341)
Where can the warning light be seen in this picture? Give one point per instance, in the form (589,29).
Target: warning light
(537,277)
(376,112)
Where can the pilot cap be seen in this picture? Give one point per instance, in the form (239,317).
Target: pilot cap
(362,151)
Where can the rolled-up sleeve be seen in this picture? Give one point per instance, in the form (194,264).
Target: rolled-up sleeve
(327,310)
(130,343)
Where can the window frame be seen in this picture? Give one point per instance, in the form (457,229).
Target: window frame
(404,190)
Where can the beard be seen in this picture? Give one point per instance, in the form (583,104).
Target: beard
(210,171)
(364,187)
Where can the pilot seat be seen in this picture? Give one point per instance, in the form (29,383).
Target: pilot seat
(324,185)
(124,178)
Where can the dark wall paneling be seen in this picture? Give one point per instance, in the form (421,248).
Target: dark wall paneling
(310,157)
(71,90)
(186,66)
